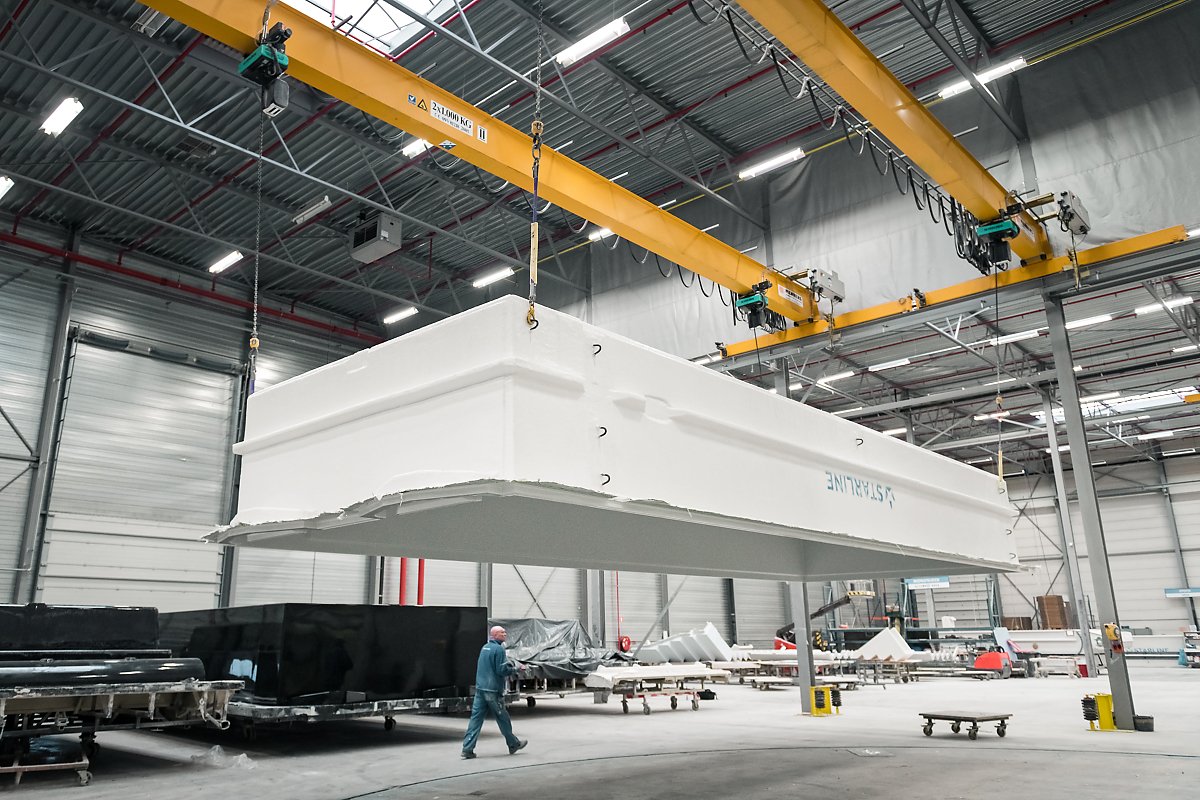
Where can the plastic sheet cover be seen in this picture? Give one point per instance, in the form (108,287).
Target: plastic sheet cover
(558,649)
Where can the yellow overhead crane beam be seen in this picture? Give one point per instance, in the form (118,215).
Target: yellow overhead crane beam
(823,42)
(358,76)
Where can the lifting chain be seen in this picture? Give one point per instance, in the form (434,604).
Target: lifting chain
(258,220)
(536,129)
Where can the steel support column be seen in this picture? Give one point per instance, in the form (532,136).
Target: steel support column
(1175,541)
(594,605)
(229,555)
(485,587)
(1089,508)
(798,595)
(25,585)
(1067,539)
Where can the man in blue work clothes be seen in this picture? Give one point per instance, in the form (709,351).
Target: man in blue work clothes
(489,694)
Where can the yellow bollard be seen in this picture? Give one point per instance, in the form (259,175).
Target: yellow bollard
(1104,705)
(821,701)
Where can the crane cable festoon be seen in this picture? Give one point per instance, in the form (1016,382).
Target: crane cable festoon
(535,131)
(252,365)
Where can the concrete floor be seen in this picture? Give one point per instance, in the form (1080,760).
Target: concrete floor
(746,743)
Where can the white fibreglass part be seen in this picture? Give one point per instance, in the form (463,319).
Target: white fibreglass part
(479,439)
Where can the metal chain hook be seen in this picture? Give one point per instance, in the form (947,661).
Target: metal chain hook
(536,129)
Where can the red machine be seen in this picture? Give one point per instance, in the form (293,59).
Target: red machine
(994,661)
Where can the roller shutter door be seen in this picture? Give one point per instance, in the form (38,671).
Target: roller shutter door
(632,601)
(700,599)
(558,592)
(761,609)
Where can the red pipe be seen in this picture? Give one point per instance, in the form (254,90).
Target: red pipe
(403,579)
(420,581)
(12,20)
(195,291)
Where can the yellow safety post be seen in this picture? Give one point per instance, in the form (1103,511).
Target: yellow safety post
(821,701)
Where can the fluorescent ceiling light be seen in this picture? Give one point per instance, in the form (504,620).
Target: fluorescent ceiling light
(1145,437)
(618,177)
(226,261)
(1194,232)
(895,431)
(396,316)
(61,117)
(1012,474)
(1062,448)
(993,415)
(1014,337)
(593,42)
(1185,452)
(714,226)
(312,211)
(983,460)
(415,148)
(1169,303)
(670,202)
(1077,368)
(771,163)
(849,410)
(1187,348)
(1098,398)
(748,249)
(6,183)
(565,145)
(1001,381)
(837,376)
(899,362)
(1083,323)
(987,76)
(492,277)
(600,233)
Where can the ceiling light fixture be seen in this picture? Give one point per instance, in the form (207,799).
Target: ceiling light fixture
(396,316)
(748,249)
(993,415)
(1001,381)
(1187,348)
(1062,448)
(415,148)
(714,226)
(1145,437)
(771,163)
(1014,337)
(837,376)
(899,362)
(6,183)
(1077,368)
(225,262)
(987,76)
(895,432)
(618,177)
(1099,398)
(1194,232)
(492,277)
(600,233)
(593,42)
(1083,323)
(849,410)
(1164,305)
(61,117)
(1187,451)
(983,460)
(310,212)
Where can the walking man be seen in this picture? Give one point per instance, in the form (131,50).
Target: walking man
(489,694)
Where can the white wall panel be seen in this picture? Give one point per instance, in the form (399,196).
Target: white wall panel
(699,599)
(28,304)
(558,592)
(114,561)
(632,601)
(761,608)
(288,576)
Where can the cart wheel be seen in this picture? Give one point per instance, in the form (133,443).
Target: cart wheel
(741,679)
(904,678)
(531,701)
(928,729)
(1001,729)
(85,777)
(646,709)
(624,707)
(389,723)
(973,734)
(956,726)
(695,704)
(674,703)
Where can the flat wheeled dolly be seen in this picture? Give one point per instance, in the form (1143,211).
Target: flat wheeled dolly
(644,695)
(956,720)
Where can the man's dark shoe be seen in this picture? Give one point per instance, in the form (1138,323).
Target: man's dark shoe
(468,754)
(520,746)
